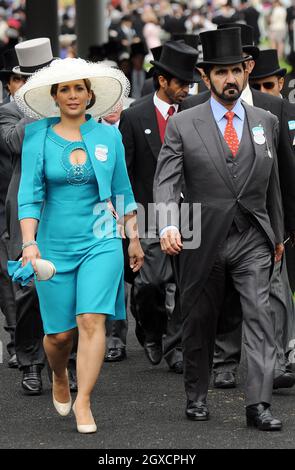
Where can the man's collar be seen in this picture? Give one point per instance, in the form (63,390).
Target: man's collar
(162,106)
(219,110)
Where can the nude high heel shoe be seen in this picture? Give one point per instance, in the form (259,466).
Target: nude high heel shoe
(85,428)
(62,408)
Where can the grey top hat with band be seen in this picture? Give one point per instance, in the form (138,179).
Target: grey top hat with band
(267,65)
(247,37)
(222,47)
(179,60)
(33,55)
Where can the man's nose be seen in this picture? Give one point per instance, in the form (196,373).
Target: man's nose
(230,77)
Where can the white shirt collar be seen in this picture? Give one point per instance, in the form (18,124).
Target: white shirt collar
(247,95)
(163,107)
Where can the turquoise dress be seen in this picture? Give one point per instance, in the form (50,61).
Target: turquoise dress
(78,233)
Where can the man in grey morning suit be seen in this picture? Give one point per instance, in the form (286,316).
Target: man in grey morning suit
(228,343)
(226,153)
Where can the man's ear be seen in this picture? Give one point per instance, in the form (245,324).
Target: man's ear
(162,81)
(281,83)
(206,80)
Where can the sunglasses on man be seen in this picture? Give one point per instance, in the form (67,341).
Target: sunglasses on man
(266,85)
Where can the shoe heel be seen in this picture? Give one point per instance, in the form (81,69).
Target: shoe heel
(84,428)
(250,421)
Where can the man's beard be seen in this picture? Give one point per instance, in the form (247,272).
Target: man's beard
(227,98)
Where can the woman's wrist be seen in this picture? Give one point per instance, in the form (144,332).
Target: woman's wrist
(28,243)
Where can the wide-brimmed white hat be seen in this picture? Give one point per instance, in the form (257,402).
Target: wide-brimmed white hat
(109,85)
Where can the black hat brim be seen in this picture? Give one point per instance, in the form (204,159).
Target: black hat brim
(280,72)
(177,74)
(4,74)
(225,61)
(251,50)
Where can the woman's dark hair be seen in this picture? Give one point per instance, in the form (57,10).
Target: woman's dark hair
(53,91)
(156,74)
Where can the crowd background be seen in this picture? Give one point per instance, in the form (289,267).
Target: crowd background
(136,26)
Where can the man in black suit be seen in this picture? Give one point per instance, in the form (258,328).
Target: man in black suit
(143,128)
(12,82)
(228,346)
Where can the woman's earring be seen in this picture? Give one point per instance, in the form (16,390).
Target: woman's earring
(88,102)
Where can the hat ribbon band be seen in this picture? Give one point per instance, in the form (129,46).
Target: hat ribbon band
(34,67)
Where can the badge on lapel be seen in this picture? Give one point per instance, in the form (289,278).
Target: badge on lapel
(101,152)
(258,135)
(147,131)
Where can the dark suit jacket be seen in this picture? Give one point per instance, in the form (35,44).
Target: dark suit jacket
(285,112)
(141,139)
(5,176)
(12,125)
(192,148)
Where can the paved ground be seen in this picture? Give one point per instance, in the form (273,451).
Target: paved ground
(136,406)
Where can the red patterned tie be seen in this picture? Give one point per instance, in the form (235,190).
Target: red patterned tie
(230,135)
(171,111)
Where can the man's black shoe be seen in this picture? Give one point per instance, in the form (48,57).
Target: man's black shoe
(177,367)
(72,375)
(197,411)
(285,380)
(115,355)
(260,416)
(153,352)
(224,380)
(12,363)
(32,382)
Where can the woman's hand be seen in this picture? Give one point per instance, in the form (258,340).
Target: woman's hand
(31,253)
(136,255)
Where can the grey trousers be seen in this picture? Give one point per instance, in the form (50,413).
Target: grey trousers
(227,352)
(247,258)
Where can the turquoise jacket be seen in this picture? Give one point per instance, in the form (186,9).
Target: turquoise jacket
(109,167)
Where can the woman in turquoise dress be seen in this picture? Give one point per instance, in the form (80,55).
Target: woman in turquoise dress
(75,189)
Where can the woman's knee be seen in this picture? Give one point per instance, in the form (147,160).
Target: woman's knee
(60,340)
(90,324)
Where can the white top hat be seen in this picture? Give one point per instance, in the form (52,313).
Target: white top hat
(32,55)
(109,85)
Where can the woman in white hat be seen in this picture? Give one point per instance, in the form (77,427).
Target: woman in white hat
(75,188)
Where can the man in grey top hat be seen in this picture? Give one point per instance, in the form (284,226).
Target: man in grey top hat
(226,152)
(11,82)
(32,55)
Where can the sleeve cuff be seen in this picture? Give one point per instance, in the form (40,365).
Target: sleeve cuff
(169,227)
(30,211)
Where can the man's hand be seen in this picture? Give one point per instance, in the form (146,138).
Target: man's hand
(279,250)
(171,242)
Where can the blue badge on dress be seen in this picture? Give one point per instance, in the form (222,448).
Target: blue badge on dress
(258,134)
(101,152)
(291,125)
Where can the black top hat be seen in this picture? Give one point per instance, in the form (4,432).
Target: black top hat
(189,39)
(138,48)
(222,47)
(179,60)
(267,65)
(156,52)
(9,58)
(247,37)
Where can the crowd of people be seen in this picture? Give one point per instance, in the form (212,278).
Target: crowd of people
(210,124)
